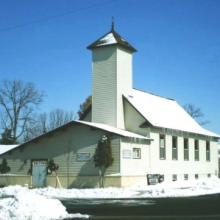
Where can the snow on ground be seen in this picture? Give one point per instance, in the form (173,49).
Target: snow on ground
(182,188)
(167,189)
(18,202)
(21,203)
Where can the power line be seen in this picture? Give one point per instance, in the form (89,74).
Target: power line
(48,18)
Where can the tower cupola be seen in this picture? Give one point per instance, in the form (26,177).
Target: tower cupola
(111,38)
(111,77)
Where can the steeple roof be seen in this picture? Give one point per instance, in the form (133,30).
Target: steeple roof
(111,38)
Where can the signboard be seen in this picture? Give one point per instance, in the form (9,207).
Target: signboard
(153,179)
(126,154)
(83,156)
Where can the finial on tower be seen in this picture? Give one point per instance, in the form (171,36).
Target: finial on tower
(111,38)
(113,24)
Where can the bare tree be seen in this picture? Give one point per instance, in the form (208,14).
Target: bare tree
(18,100)
(195,113)
(42,123)
(6,137)
(36,127)
(47,121)
(59,117)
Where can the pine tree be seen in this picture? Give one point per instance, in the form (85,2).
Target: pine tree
(103,157)
(84,106)
(7,137)
(4,168)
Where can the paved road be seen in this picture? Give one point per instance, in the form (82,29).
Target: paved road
(190,208)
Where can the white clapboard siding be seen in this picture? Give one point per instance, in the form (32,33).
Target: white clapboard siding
(181,166)
(112,77)
(63,147)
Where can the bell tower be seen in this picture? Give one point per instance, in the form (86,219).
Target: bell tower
(111,77)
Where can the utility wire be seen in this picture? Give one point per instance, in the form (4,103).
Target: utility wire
(48,18)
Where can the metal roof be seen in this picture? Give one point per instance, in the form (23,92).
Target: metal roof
(111,38)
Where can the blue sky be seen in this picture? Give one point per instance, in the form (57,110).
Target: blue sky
(178,45)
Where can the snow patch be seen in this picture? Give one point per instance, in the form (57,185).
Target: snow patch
(6,148)
(165,113)
(166,189)
(21,203)
(107,40)
(18,202)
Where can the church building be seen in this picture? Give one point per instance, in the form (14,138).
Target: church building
(153,138)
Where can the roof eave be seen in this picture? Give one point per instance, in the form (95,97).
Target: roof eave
(64,127)
(120,42)
(129,48)
(189,132)
(93,126)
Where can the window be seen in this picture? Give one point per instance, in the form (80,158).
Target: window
(186,149)
(196,145)
(174,177)
(174,148)
(136,153)
(196,176)
(207,151)
(162,147)
(83,157)
(186,176)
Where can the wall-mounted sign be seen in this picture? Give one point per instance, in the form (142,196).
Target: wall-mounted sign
(126,153)
(153,179)
(83,156)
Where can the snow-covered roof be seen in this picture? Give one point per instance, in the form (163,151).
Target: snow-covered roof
(6,148)
(165,113)
(107,40)
(108,128)
(111,38)
(113,130)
